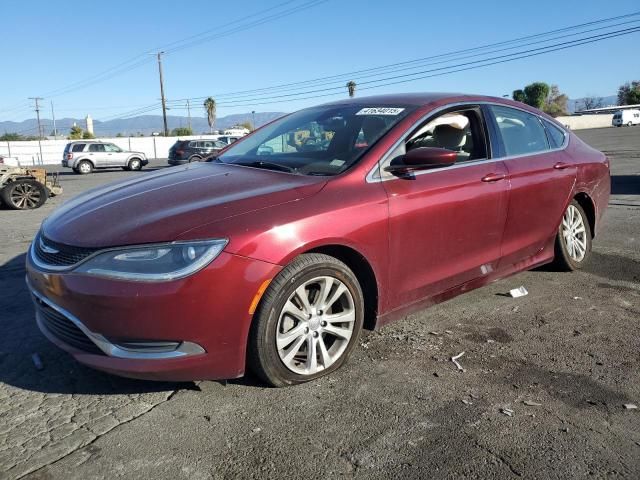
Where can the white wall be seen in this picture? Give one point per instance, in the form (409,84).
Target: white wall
(28,153)
(580,122)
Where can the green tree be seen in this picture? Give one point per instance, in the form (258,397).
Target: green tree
(75,133)
(11,137)
(536,93)
(351,88)
(556,103)
(629,93)
(519,96)
(246,125)
(118,135)
(210,107)
(181,132)
(87,135)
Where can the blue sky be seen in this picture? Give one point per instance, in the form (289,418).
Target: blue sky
(48,46)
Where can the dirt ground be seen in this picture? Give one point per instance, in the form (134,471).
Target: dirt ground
(564,359)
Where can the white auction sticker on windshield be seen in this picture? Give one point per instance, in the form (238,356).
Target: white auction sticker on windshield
(380,111)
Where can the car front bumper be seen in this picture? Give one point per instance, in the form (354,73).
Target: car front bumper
(194,328)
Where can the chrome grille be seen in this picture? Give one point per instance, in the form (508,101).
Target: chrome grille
(59,255)
(64,329)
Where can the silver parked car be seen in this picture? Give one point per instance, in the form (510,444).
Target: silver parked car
(83,156)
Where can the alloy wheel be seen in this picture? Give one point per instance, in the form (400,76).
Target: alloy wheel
(315,325)
(574,234)
(26,196)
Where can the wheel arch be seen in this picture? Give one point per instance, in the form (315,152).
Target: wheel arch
(84,159)
(588,205)
(364,273)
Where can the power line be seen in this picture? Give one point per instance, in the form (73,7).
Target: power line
(248,101)
(457,52)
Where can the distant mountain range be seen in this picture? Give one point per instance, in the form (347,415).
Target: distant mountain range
(145,124)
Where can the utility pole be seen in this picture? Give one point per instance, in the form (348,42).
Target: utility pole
(164,101)
(53,115)
(253,117)
(37,99)
(189,114)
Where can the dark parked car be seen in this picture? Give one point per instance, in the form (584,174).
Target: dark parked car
(275,256)
(187,151)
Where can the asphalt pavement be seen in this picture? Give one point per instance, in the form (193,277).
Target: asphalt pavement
(543,393)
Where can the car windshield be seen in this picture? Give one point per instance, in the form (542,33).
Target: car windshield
(317,141)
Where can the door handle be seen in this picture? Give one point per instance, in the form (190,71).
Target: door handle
(561,166)
(493,177)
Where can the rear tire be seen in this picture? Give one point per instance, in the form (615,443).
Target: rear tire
(24,194)
(573,241)
(629,124)
(307,323)
(84,167)
(194,159)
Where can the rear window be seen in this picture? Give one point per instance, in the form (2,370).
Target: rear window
(522,132)
(78,147)
(556,135)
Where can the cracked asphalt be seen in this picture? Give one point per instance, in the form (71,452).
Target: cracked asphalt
(398,409)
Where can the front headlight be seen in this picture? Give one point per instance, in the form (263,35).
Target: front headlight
(153,263)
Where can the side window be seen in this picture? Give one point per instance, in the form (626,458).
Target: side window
(208,144)
(192,144)
(556,135)
(78,147)
(96,147)
(521,132)
(110,147)
(461,131)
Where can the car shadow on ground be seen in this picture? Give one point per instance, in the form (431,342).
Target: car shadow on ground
(625,185)
(60,373)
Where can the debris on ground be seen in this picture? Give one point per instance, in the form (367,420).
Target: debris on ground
(455,360)
(518,292)
(467,402)
(515,309)
(577,298)
(257,430)
(434,333)
(37,362)
(507,411)
(448,332)
(630,406)
(531,403)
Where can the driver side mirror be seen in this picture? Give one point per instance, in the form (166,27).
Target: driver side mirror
(423,158)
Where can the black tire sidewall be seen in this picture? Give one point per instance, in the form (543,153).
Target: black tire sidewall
(562,254)
(271,368)
(5,193)
(131,167)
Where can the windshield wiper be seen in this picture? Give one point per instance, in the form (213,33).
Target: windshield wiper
(268,166)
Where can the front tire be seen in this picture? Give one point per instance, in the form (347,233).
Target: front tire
(134,164)
(573,241)
(308,321)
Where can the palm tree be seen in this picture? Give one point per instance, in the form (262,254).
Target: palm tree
(210,107)
(351,86)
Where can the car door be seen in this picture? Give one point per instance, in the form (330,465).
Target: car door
(115,157)
(541,176)
(97,155)
(446,224)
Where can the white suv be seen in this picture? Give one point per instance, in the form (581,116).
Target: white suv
(84,156)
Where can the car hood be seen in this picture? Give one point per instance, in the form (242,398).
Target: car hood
(160,206)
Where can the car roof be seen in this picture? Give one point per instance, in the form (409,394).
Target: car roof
(419,99)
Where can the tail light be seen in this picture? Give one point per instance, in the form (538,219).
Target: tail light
(69,156)
(179,152)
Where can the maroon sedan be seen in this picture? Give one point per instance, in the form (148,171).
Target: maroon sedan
(277,253)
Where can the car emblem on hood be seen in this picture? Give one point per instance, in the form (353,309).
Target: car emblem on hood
(47,249)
